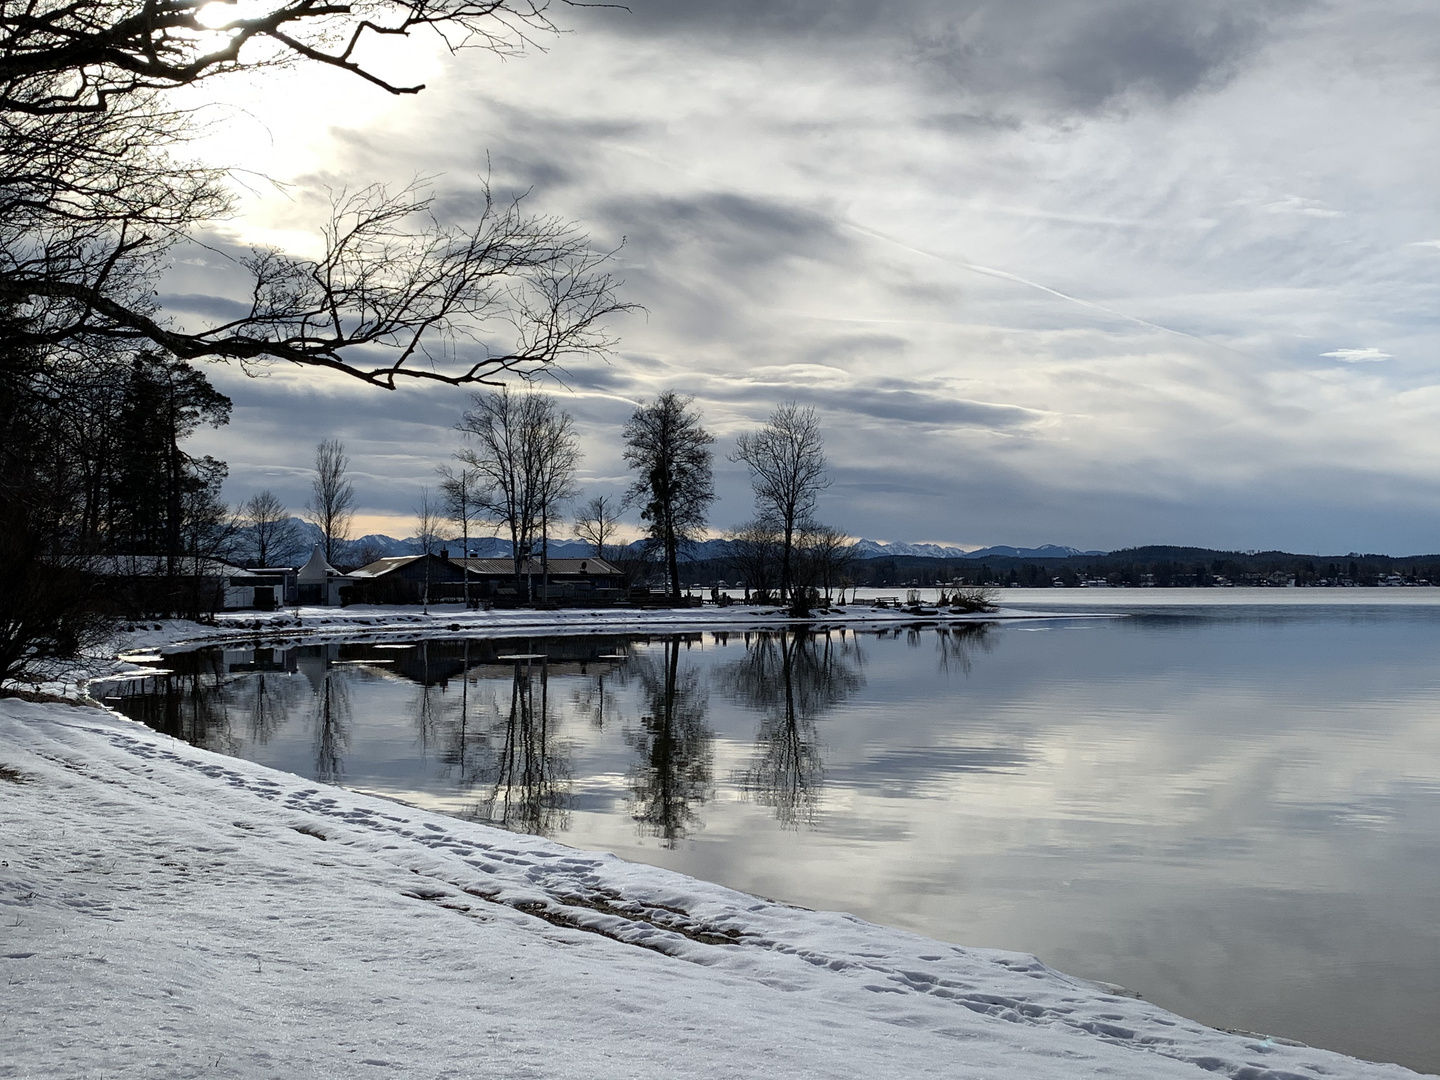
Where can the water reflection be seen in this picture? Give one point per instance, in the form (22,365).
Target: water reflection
(267,702)
(595,702)
(958,644)
(675,747)
(527,773)
(330,710)
(504,750)
(187,703)
(792,678)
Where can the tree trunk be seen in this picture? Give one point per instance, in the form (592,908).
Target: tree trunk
(545,548)
(672,560)
(465,543)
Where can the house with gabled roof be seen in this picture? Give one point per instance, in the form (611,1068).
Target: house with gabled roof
(407,579)
(591,580)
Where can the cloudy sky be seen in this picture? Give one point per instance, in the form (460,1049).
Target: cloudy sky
(1088,272)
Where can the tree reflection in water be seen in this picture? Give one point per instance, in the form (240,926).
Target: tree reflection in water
(594,702)
(958,643)
(425,714)
(189,701)
(466,745)
(528,770)
(332,729)
(792,678)
(674,745)
(267,700)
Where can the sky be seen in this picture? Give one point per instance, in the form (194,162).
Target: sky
(1100,274)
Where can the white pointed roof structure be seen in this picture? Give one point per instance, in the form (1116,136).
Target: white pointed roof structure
(316,570)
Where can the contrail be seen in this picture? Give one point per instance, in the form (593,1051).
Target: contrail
(1005,275)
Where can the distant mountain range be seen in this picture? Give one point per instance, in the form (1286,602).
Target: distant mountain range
(380,546)
(873,549)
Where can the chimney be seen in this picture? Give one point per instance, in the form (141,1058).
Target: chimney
(445,553)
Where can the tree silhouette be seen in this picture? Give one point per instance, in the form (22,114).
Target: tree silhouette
(529,772)
(672,777)
(792,678)
(92,195)
(670,454)
(786,462)
(524,454)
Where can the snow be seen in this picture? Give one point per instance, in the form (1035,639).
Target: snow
(379,621)
(168,912)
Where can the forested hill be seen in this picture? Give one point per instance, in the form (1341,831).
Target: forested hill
(893,565)
(1157,565)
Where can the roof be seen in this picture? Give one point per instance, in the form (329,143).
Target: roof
(380,567)
(158,566)
(316,568)
(593,567)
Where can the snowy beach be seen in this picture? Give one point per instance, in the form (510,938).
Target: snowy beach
(170,912)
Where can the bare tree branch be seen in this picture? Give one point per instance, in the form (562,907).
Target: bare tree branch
(396,295)
(88,55)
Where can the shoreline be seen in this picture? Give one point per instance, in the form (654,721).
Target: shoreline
(321,624)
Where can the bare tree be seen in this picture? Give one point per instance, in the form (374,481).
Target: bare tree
(428,519)
(597,521)
(755,553)
(670,454)
(272,533)
(827,553)
(524,454)
(91,198)
(332,503)
(786,460)
(89,56)
(557,460)
(458,489)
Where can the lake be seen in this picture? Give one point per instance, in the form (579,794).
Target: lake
(1225,800)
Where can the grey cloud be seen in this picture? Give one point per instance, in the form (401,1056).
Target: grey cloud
(212,307)
(918,407)
(857,345)
(711,261)
(542,149)
(593,375)
(932,406)
(1069,55)
(1084,56)
(737,229)
(967,123)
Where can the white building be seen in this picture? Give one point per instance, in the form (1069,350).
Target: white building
(318,582)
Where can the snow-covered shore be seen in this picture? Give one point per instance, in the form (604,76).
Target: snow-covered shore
(168,912)
(319,623)
(307,625)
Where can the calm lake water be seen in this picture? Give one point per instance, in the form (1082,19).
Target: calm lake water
(1228,803)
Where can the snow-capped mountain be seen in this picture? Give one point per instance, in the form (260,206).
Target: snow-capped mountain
(380,546)
(874,549)
(1044,551)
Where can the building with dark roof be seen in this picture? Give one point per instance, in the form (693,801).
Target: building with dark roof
(571,581)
